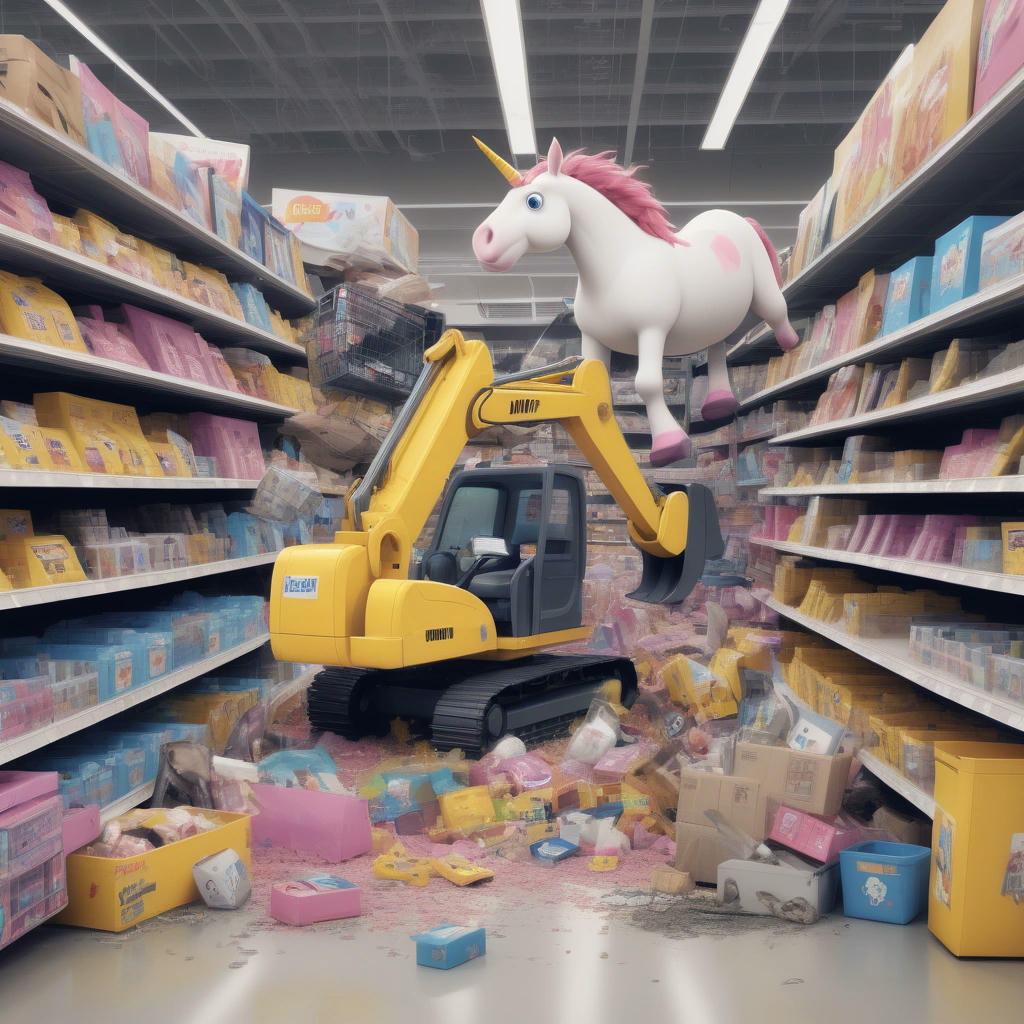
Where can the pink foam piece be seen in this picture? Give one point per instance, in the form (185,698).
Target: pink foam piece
(816,837)
(18,787)
(670,447)
(330,826)
(306,902)
(719,403)
(81,826)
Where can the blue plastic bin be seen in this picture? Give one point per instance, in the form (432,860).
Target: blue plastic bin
(885,881)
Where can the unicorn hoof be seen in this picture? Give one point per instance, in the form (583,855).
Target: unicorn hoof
(787,338)
(670,447)
(718,404)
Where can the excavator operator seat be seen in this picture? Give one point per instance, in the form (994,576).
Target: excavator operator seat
(540,514)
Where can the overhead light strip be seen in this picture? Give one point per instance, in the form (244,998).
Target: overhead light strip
(504,25)
(79,26)
(760,33)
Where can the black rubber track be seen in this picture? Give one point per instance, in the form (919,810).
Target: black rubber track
(341,700)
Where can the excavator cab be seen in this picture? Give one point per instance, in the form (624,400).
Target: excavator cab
(515,537)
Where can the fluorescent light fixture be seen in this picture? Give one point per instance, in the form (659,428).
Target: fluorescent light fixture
(76,23)
(763,26)
(504,26)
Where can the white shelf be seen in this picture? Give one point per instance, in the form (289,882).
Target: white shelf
(29,596)
(980,392)
(973,485)
(892,778)
(986,305)
(84,365)
(894,655)
(137,796)
(64,270)
(21,745)
(70,172)
(105,482)
(997,582)
(982,155)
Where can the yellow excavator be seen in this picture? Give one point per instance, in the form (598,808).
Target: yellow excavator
(459,644)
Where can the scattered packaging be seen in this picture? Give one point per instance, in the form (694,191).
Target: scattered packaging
(318,898)
(449,945)
(222,880)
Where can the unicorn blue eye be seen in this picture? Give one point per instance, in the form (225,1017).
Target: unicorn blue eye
(534,200)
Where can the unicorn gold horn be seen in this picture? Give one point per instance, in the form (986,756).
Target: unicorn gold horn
(508,172)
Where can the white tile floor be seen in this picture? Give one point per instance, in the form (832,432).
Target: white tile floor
(573,967)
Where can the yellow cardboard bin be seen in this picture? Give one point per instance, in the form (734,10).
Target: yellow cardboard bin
(976,891)
(114,893)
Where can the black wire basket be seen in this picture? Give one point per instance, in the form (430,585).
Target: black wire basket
(371,345)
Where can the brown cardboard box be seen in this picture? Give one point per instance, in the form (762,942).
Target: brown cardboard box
(905,828)
(699,851)
(808,782)
(43,89)
(736,798)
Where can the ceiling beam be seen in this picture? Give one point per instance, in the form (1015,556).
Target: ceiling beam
(643,48)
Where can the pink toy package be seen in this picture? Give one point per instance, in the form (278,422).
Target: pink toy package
(115,132)
(108,341)
(220,369)
(527,771)
(935,541)
(815,837)
(320,898)
(1000,48)
(30,833)
(168,345)
(973,456)
(234,443)
(29,898)
(21,207)
(860,533)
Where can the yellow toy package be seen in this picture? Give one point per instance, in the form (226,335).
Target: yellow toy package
(40,561)
(30,310)
(23,445)
(68,235)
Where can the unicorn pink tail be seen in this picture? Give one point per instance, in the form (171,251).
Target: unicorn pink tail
(768,247)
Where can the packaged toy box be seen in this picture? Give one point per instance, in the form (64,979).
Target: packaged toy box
(364,230)
(41,88)
(1000,48)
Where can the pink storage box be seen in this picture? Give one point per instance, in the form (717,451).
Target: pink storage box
(235,444)
(27,833)
(814,837)
(18,787)
(169,346)
(81,826)
(31,707)
(28,899)
(330,826)
(322,898)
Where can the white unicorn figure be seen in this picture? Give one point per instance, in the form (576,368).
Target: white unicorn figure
(644,289)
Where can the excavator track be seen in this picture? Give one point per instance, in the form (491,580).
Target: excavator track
(534,698)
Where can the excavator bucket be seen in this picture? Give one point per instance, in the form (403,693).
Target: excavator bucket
(670,580)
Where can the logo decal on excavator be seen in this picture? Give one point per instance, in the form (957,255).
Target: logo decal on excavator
(441,633)
(518,406)
(300,586)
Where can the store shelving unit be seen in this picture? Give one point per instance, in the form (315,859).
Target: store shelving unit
(996,582)
(986,152)
(894,655)
(137,796)
(29,596)
(971,485)
(923,801)
(64,270)
(73,175)
(25,744)
(77,366)
(978,312)
(979,393)
(49,479)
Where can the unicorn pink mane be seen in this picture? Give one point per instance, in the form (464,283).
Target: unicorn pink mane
(634,198)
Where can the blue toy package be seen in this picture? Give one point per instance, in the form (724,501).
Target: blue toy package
(254,222)
(449,945)
(277,245)
(152,650)
(956,265)
(907,299)
(225,210)
(192,186)
(113,664)
(254,306)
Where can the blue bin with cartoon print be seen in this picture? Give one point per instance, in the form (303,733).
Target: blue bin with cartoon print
(885,881)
